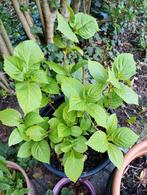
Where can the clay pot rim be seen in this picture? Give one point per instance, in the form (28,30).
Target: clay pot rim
(135,152)
(15,166)
(62,182)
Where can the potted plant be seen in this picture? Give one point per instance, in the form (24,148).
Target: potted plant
(78,131)
(13,179)
(132,177)
(65,186)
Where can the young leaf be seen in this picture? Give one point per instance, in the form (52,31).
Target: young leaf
(29,52)
(80,144)
(13,66)
(112,79)
(76,89)
(56,67)
(77,66)
(85,124)
(63,130)
(40,77)
(74,165)
(112,123)
(76,131)
(127,94)
(41,151)
(98,142)
(64,28)
(93,93)
(28,95)
(76,103)
(124,66)
(25,150)
(69,117)
(112,100)
(85,25)
(10,117)
(36,133)
(97,71)
(15,137)
(115,155)
(51,88)
(98,113)
(124,137)
(33,118)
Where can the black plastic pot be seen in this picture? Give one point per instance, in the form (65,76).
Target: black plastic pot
(109,183)
(48,111)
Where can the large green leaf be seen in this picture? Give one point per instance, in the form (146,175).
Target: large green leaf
(124,66)
(98,113)
(124,137)
(41,151)
(36,133)
(98,141)
(29,52)
(13,66)
(64,28)
(115,155)
(127,94)
(28,95)
(76,103)
(72,87)
(85,25)
(56,67)
(10,117)
(93,93)
(97,71)
(74,165)
(15,137)
(25,150)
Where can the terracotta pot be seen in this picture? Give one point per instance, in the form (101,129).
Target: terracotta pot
(13,165)
(58,187)
(137,151)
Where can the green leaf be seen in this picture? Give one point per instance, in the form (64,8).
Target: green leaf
(36,133)
(112,123)
(44,101)
(74,165)
(10,117)
(41,151)
(76,89)
(56,67)
(71,12)
(98,142)
(65,29)
(25,150)
(76,131)
(13,66)
(29,52)
(124,137)
(40,77)
(76,103)
(63,130)
(112,100)
(29,96)
(115,155)
(85,25)
(112,79)
(85,124)
(127,94)
(93,93)
(51,88)
(22,131)
(59,42)
(14,137)
(33,118)
(124,66)
(69,117)
(78,65)
(80,144)
(97,71)
(98,113)
(63,147)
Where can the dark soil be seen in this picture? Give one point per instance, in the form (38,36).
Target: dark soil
(134,181)
(78,189)
(93,160)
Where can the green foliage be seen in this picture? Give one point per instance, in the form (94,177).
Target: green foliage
(11,182)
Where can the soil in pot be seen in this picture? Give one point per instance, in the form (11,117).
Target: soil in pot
(134,181)
(76,189)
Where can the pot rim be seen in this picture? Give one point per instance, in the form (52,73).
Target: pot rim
(135,152)
(61,183)
(15,166)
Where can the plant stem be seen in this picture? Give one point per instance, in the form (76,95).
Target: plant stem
(3,47)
